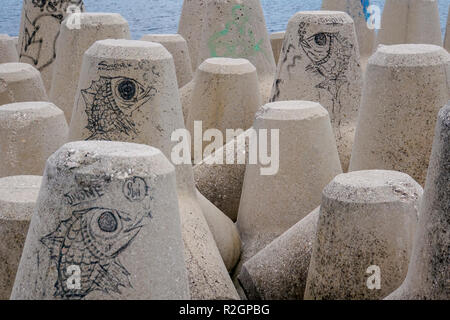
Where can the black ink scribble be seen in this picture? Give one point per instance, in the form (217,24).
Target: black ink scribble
(52,12)
(110,103)
(92,240)
(135,189)
(330,54)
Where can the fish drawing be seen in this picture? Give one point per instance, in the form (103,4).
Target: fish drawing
(92,240)
(110,103)
(330,55)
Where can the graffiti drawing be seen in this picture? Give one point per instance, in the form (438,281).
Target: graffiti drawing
(92,240)
(38,44)
(110,103)
(237,40)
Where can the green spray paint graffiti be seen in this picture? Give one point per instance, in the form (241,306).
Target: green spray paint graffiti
(237,40)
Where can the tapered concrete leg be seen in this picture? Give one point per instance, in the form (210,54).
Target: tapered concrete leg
(276,40)
(358,11)
(428,273)
(224,231)
(39,31)
(272,202)
(190,27)
(18,195)
(29,133)
(364,235)
(410,21)
(225,97)
(128,92)
(320,62)
(237,29)
(405,86)
(106,226)
(8,51)
(72,43)
(280,270)
(222,183)
(177,46)
(20,82)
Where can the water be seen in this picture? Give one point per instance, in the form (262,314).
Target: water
(161,16)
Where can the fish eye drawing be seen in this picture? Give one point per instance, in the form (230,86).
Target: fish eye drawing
(110,103)
(93,240)
(51,12)
(329,56)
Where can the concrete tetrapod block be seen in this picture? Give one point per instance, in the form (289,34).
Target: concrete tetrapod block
(447,32)
(106,226)
(16,43)
(320,62)
(177,46)
(428,273)
(18,197)
(237,29)
(29,133)
(190,27)
(128,92)
(357,9)
(20,82)
(276,40)
(39,31)
(8,51)
(405,86)
(365,233)
(225,96)
(280,270)
(308,161)
(410,21)
(222,183)
(73,41)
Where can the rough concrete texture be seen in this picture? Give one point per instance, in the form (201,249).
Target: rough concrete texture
(429,274)
(134,84)
(225,96)
(280,270)
(16,43)
(73,41)
(405,86)
(223,229)
(357,11)
(8,51)
(276,40)
(320,62)
(367,219)
(20,82)
(190,27)
(222,183)
(410,21)
(177,46)
(235,29)
(447,32)
(29,133)
(39,31)
(107,212)
(18,195)
(271,204)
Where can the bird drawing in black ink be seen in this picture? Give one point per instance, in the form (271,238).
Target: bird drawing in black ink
(92,240)
(110,103)
(330,55)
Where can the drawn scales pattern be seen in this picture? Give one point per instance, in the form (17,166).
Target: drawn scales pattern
(92,239)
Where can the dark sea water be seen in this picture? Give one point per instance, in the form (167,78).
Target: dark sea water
(161,16)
